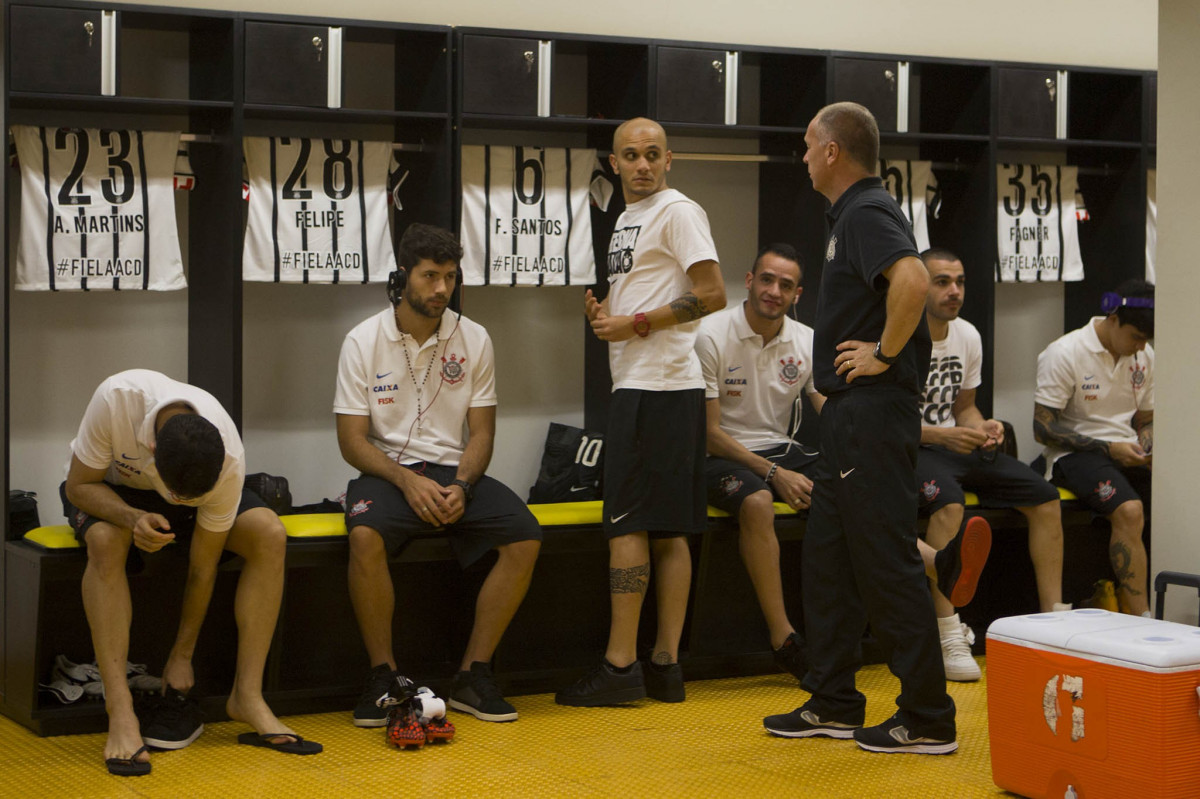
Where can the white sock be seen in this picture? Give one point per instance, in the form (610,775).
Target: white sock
(1061,606)
(950,624)
(1147,614)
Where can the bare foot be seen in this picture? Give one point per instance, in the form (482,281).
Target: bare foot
(256,713)
(124,737)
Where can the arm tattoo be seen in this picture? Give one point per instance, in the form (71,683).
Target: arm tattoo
(688,308)
(1049,430)
(1122,563)
(629,581)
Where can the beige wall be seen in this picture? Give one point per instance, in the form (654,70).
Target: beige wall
(1177,432)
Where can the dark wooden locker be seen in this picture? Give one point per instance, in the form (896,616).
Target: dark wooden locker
(52,52)
(500,75)
(691,85)
(1028,103)
(870,82)
(287,64)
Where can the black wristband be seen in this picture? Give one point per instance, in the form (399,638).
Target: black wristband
(879,356)
(468,489)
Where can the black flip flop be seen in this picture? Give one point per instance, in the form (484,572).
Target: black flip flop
(128,766)
(297,747)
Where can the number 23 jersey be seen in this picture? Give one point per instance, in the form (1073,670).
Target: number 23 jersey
(97,209)
(318,211)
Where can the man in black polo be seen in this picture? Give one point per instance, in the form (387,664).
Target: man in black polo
(871,352)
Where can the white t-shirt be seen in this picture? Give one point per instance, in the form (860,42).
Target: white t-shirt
(449,373)
(118,431)
(757,385)
(318,211)
(1096,394)
(655,241)
(955,364)
(97,210)
(526,215)
(1037,234)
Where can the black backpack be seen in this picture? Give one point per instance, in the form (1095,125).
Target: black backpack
(572,466)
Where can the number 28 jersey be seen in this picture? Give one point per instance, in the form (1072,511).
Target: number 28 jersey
(97,209)
(318,211)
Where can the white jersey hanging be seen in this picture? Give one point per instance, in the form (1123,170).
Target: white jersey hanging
(526,219)
(318,211)
(1151,223)
(1037,236)
(97,210)
(915,189)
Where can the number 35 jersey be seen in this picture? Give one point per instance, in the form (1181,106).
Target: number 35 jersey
(97,210)
(1037,234)
(318,211)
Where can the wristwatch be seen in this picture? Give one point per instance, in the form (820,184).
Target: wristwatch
(879,356)
(641,325)
(468,489)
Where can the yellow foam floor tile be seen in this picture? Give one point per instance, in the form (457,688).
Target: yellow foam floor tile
(712,745)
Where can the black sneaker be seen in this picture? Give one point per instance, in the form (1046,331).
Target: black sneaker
(790,656)
(475,692)
(804,723)
(169,721)
(893,736)
(371,710)
(960,563)
(664,682)
(604,685)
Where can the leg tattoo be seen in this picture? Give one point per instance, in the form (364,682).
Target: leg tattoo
(629,581)
(661,658)
(1122,560)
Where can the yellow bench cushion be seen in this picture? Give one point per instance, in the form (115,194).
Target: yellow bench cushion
(58,536)
(314,525)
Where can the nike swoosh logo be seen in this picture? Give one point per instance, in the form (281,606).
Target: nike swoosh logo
(130,457)
(579,488)
(1089,377)
(734,368)
(381,376)
(846,473)
(615,519)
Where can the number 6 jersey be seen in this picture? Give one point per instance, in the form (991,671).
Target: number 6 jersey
(97,210)
(1037,238)
(318,211)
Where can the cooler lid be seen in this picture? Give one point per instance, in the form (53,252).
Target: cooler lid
(1116,636)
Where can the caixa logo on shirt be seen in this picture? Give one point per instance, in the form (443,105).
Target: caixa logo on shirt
(620,249)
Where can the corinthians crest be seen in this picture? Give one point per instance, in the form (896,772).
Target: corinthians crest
(790,372)
(1137,376)
(453,369)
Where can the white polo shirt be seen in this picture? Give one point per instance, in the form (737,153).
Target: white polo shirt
(1096,393)
(955,364)
(655,241)
(449,373)
(757,385)
(117,433)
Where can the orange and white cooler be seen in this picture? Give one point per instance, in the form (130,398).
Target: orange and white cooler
(1088,704)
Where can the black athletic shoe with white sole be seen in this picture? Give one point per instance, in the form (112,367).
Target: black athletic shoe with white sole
(805,723)
(370,710)
(893,736)
(475,692)
(169,721)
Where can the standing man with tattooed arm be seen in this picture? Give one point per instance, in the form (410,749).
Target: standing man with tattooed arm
(1094,411)
(663,276)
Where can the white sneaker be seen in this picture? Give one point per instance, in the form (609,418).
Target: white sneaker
(956,650)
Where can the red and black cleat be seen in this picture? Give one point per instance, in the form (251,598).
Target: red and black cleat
(403,728)
(440,729)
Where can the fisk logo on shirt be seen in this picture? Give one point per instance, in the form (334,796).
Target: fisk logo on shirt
(620,249)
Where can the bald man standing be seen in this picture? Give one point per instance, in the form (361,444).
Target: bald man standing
(663,277)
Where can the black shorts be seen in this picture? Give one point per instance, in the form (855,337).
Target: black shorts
(495,516)
(1000,482)
(182,518)
(654,463)
(1098,481)
(730,483)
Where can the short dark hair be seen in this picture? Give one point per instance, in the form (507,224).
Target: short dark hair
(783,250)
(854,128)
(189,454)
(1141,318)
(938,254)
(421,241)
